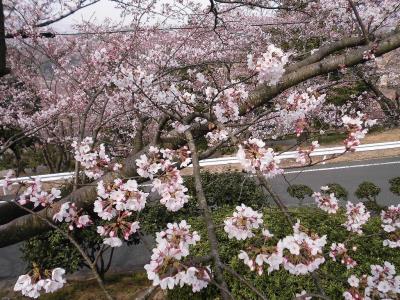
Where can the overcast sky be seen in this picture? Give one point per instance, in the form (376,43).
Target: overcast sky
(97,13)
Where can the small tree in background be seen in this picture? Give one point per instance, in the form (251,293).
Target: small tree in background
(339,191)
(300,191)
(395,185)
(369,191)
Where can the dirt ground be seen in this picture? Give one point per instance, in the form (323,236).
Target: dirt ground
(121,287)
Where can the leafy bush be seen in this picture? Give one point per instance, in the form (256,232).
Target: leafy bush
(339,191)
(51,249)
(299,191)
(280,284)
(367,190)
(220,190)
(395,185)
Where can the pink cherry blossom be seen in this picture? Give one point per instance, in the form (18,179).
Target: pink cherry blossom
(303,154)
(269,66)
(326,201)
(70,214)
(34,194)
(242,223)
(121,227)
(94,161)
(302,253)
(169,182)
(357,216)
(165,268)
(121,195)
(391,224)
(254,157)
(31,286)
(357,127)
(339,253)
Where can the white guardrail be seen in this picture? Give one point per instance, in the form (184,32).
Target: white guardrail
(233,160)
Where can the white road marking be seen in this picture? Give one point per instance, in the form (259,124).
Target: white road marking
(344,167)
(321,169)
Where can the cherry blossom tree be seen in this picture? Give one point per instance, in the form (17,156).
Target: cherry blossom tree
(132,104)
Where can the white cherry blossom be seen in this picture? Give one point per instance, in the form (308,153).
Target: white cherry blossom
(242,223)
(357,216)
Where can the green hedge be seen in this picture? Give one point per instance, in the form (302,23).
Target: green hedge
(280,284)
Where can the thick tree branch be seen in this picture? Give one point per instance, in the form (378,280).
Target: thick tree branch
(264,94)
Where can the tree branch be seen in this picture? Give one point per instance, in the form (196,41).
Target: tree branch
(212,238)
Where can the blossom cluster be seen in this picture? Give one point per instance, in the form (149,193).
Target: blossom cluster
(34,194)
(357,127)
(357,216)
(254,157)
(31,286)
(368,55)
(166,267)
(383,283)
(216,136)
(121,227)
(299,253)
(255,258)
(297,110)
(227,102)
(243,221)
(115,202)
(326,201)
(70,214)
(266,256)
(270,65)
(6,182)
(302,253)
(120,195)
(169,182)
(391,224)
(340,252)
(303,154)
(93,160)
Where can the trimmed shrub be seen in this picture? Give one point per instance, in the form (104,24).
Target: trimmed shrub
(395,185)
(367,190)
(299,191)
(339,191)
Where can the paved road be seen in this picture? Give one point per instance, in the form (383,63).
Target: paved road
(350,175)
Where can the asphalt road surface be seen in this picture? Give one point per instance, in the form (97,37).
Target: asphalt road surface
(349,175)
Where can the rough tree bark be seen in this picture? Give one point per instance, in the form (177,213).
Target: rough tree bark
(3,47)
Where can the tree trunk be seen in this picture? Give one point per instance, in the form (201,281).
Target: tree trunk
(3,47)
